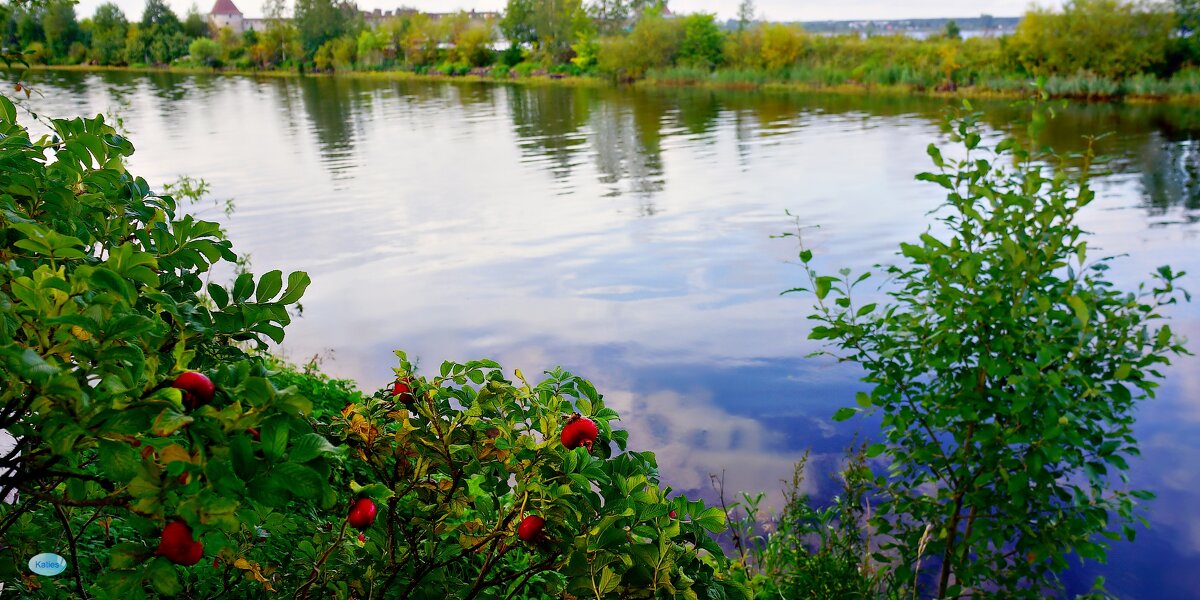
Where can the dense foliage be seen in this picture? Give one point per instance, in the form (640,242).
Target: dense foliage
(150,486)
(1007,370)
(1089,48)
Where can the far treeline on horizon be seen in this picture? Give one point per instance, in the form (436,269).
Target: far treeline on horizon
(1088,49)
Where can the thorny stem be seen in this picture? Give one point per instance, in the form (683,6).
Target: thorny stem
(316,570)
(62,516)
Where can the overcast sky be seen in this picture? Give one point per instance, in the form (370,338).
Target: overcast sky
(777,10)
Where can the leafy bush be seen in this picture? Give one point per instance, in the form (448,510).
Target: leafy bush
(811,552)
(99,312)
(1007,370)
(205,52)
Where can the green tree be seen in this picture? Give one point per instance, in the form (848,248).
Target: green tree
(517,24)
(781,45)
(60,27)
(1111,38)
(109,28)
(195,25)
(1007,370)
(205,51)
(550,26)
(952,31)
(320,21)
(420,41)
(28,25)
(158,14)
(745,14)
(160,38)
(654,43)
(703,42)
(473,44)
(618,16)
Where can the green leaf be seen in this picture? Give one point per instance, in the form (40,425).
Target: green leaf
(269,285)
(310,446)
(243,287)
(875,450)
(163,578)
(274,437)
(118,460)
(608,581)
(299,480)
(219,295)
(169,421)
(863,399)
(1080,309)
(297,283)
(712,519)
(824,284)
(126,555)
(844,413)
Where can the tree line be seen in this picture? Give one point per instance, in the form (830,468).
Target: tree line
(1089,47)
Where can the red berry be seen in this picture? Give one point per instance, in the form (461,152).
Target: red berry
(671,514)
(362,514)
(362,538)
(402,389)
(579,431)
(254,434)
(197,389)
(530,529)
(178,545)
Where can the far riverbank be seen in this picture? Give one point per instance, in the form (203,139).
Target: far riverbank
(717,80)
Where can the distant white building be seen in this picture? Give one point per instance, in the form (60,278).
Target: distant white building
(226,14)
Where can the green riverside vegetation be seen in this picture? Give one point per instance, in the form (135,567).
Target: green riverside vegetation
(1090,49)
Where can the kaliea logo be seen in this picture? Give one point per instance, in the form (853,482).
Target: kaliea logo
(48,564)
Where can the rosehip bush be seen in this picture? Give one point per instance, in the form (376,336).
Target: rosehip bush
(103,304)
(458,469)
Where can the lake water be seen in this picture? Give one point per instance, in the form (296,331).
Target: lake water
(627,236)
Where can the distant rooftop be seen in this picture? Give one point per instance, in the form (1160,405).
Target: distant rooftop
(224,7)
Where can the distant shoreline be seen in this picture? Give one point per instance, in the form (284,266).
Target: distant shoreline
(661,82)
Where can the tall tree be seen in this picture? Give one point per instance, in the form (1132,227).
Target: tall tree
(745,14)
(195,25)
(517,25)
(109,27)
(157,13)
(615,16)
(160,37)
(60,27)
(319,21)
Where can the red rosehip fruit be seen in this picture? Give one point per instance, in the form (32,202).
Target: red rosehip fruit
(579,431)
(530,529)
(178,545)
(197,389)
(362,514)
(402,390)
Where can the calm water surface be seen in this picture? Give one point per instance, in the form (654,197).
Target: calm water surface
(628,237)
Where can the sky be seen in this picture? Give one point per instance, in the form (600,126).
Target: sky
(775,10)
